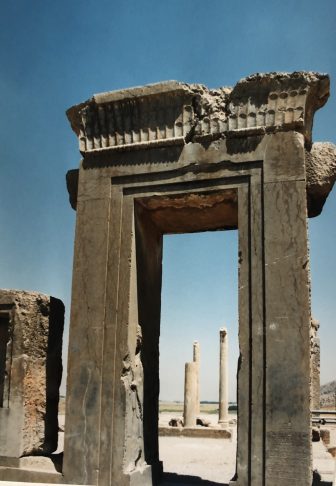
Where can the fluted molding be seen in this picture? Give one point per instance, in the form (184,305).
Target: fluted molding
(177,113)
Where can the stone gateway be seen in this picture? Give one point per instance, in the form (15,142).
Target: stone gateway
(171,158)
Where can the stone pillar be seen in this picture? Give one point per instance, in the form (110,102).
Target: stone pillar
(31,330)
(190,393)
(223,378)
(196,359)
(314,365)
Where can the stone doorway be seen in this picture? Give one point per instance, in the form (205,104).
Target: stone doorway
(144,207)
(173,158)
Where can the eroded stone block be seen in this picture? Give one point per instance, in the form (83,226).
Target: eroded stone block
(31,329)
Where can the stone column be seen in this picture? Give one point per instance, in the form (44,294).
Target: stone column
(190,392)
(196,359)
(223,378)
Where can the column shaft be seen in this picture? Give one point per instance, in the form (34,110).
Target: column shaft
(190,390)
(196,359)
(223,378)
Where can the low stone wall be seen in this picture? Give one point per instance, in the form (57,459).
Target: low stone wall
(207,432)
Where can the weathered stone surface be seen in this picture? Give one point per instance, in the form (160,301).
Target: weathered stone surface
(196,359)
(163,113)
(200,432)
(190,394)
(258,104)
(32,375)
(321,175)
(223,416)
(315,365)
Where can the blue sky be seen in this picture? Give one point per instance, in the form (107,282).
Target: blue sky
(56,54)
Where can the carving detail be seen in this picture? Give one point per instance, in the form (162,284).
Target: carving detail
(172,112)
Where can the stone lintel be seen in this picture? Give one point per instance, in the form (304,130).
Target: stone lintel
(173,112)
(320,164)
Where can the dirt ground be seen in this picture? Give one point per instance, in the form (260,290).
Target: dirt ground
(208,459)
(211,462)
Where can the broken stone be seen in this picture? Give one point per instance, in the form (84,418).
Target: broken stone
(203,422)
(260,103)
(325,436)
(315,435)
(31,327)
(321,175)
(332,451)
(176,422)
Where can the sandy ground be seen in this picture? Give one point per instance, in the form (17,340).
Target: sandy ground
(209,459)
(188,460)
(207,462)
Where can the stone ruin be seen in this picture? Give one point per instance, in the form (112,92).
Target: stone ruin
(172,158)
(191,407)
(191,410)
(223,413)
(31,331)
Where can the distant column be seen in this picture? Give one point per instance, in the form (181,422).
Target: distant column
(223,378)
(196,359)
(190,390)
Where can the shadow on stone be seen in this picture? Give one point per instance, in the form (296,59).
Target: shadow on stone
(53,374)
(318,482)
(57,460)
(169,479)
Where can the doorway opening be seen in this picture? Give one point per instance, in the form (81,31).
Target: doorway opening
(322,238)
(199,296)
(210,302)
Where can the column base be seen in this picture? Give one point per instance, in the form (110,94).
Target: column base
(224,424)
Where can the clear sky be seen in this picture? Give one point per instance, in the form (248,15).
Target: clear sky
(56,54)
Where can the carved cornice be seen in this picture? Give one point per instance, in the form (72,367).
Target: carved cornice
(177,113)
